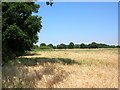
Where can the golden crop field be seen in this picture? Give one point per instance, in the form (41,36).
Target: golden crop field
(73,68)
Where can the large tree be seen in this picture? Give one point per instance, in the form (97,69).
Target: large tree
(19,27)
(71,45)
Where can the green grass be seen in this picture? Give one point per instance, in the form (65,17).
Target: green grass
(41,49)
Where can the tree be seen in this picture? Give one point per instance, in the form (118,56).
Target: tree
(19,27)
(54,47)
(50,45)
(118,46)
(58,47)
(42,44)
(100,45)
(93,45)
(71,45)
(76,46)
(112,46)
(63,46)
(82,45)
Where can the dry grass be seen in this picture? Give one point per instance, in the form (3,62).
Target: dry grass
(98,69)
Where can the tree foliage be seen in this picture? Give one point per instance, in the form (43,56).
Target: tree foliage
(61,46)
(82,45)
(76,46)
(49,3)
(42,44)
(19,27)
(51,46)
(71,45)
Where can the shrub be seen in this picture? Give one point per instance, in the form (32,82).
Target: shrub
(45,47)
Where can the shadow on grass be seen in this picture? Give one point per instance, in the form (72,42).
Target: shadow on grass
(14,75)
(35,61)
(29,54)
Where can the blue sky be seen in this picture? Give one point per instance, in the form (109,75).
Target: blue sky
(79,22)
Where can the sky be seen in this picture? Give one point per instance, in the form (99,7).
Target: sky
(79,22)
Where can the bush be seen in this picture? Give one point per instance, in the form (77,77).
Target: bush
(45,47)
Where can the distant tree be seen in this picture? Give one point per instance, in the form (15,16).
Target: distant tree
(50,45)
(100,45)
(76,46)
(42,44)
(67,46)
(112,46)
(44,47)
(82,45)
(54,47)
(103,45)
(118,46)
(71,45)
(61,46)
(93,45)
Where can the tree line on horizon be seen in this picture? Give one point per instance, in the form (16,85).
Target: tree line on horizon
(71,45)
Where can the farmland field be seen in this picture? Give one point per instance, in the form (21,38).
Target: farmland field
(71,68)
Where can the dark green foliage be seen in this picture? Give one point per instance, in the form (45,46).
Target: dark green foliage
(97,45)
(76,46)
(45,47)
(54,47)
(82,45)
(61,46)
(93,45)
(50,45)
(19,27)
(118,46)
(35,46)
(71,45)
(42,44)
(49,3)
(113,46)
